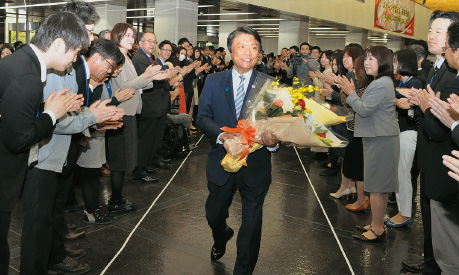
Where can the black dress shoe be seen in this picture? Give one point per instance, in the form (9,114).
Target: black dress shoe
(413,267)
(218,250)
(150,179)
(150,169)
(166,160)
(163,165)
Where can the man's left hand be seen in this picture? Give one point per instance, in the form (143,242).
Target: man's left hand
(268,139)
(443,111)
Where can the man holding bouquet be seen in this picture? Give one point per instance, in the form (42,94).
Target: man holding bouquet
(220,104)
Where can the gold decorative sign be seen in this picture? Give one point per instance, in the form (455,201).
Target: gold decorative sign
(395,15)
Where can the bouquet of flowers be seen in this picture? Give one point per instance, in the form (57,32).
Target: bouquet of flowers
(290,114)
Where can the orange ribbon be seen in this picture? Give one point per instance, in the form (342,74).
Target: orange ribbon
(248,135)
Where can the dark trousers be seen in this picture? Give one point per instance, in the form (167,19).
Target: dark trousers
(158,137)
(145,135)
(249,236)
(90,187)
(37,204)
(5,218)
(431,266)
(65,182)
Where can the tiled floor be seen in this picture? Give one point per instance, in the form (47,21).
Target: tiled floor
(174,237)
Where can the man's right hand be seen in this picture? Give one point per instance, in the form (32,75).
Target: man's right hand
(225,136)
(101,111)
(59,103)
(151,71)
(124,94)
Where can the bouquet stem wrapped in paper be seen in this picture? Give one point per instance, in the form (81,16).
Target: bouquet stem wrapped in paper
(291,115)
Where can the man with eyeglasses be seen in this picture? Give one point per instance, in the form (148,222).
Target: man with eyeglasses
(151,109)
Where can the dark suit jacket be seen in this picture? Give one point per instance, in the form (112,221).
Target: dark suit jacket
(216,110)
(262,68)
(434,141)
(455,135)
(82,81)
(21,94)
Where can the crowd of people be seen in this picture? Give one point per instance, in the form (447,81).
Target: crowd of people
(79,107)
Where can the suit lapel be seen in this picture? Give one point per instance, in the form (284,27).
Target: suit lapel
(227,82)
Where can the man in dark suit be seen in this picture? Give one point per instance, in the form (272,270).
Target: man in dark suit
(152,108)
(23,125)
(160,106)
(443,193)
(261,66)
(434,140)
(220,104)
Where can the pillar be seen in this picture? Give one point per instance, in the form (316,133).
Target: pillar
(292,33)
(109,15)
(360,38)
(175,19)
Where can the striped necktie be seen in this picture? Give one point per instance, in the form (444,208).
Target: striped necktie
(239,96)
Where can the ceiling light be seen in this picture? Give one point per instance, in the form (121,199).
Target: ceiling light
(232,13)
(266,29)
(205,6)
(322,28)
(145,16)
(330,34)
(235,20)
(208,25)
(262,24)
(144,9)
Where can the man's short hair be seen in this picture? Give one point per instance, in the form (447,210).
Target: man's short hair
(241,30)
(419,50)
(164,42)
(183,40)
(316,48)
(142,34)
(220,49)
(295,48)
(105,48)
(83,10)
(62,25)
(103,33)
(451,15)
(453,36)
(305,43)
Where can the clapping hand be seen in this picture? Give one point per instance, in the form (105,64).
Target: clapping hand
(404,103)
(124,94)
(443,111)
(62,102)
(422,97)
(453,164)
(344,84)
(312,75)
(454,102)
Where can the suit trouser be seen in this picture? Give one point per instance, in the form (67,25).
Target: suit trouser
(158,137)
(431,266)
(145,135)
(37,204)
(249,236)
(445,232)
(65,182)
(5,219)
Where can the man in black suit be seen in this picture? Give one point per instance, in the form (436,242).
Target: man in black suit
(261,66)
(444,202)
(152,108)
(23,125)
(220,104)
(161,90)
(434,140)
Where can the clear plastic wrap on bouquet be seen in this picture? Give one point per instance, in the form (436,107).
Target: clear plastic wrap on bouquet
(291,115)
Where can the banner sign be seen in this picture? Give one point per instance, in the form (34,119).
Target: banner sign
(395,15)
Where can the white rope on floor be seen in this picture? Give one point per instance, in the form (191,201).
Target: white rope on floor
(326,216)
(147,212)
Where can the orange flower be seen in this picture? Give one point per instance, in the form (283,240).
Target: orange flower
(278,103)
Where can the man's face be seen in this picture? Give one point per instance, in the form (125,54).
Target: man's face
(107,36)
(292,51)
(149,43)
(244,52)
(186,45)
(223,53)
(315,53)
(100,67)
(90,29)
(304,49)
(284,53)
(165,52)
(65,59)
(260,57)
(206,51)
(452,56)
(436,38)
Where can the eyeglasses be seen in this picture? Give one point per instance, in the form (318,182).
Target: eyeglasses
(149,41)
(445,48)
(129,36)
(166,50)
(111,65)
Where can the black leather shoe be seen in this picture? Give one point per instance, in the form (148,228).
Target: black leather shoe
(166,160)
(150,169)
(150,179)
(218,250)
(413,267)
(163,165)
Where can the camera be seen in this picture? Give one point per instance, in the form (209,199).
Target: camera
(298,58)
